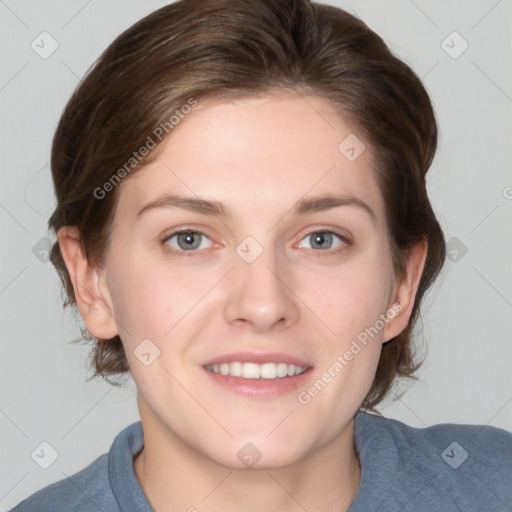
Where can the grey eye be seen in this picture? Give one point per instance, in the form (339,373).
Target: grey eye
(188,240)
(322,240)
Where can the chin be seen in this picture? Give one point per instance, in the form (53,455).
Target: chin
(258,453)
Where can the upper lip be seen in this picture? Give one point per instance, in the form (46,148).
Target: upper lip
(258,358)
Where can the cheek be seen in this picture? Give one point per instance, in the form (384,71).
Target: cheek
(350,298)
(151,296)
(137,293)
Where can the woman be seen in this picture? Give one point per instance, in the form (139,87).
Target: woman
(243,224)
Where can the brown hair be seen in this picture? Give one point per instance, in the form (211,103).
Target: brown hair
(198,49)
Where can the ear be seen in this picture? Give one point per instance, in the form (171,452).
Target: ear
(90,286)
(404,292)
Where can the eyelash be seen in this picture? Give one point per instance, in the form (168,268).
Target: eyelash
(345,242)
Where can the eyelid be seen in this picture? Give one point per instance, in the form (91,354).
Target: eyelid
(180,231)
(345,239)
(340,233)
(196,252)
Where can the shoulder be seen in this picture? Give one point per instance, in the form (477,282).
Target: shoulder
(108,484)
(87,490)
(483,441)
(448,466)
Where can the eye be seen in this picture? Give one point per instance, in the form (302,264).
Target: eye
(323,241)
(187,241)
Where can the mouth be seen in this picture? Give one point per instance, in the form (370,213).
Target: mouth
(258,375)
(257,371)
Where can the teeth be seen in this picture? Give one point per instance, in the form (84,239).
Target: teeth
(256,371)
(251,371)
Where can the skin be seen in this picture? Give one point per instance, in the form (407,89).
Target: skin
(258,156)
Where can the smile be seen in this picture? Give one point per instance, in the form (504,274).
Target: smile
(256,371)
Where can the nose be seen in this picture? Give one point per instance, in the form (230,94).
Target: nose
(261,295)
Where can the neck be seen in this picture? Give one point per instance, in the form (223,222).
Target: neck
(174,476)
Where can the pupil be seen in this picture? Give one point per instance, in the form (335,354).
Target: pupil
(322,239)
(188,241)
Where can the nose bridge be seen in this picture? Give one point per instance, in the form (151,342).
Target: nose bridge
(258,295)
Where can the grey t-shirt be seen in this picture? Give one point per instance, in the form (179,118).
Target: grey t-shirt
(442,468)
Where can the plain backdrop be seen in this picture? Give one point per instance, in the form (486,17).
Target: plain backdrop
(466,325)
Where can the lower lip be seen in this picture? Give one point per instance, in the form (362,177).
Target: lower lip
(260,388)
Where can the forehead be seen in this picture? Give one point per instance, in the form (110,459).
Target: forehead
(248,152)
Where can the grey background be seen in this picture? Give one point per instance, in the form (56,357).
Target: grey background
(467,320)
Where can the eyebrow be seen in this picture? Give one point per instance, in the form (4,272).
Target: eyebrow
(216,208)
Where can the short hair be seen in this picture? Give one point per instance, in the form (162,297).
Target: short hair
(198,50)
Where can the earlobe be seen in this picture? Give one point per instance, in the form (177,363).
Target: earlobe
(92,299)
(405,293)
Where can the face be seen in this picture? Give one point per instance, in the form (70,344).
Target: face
(275,282)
